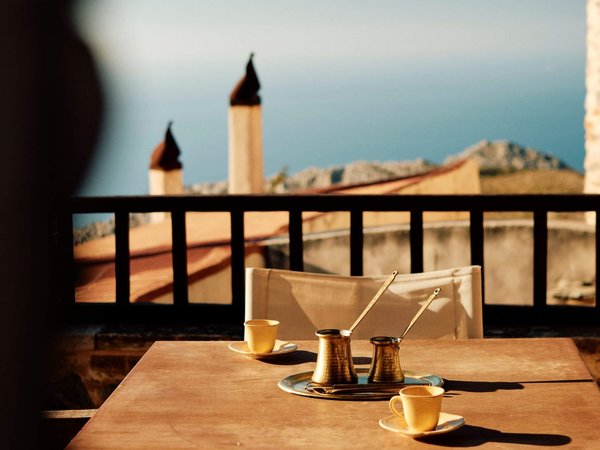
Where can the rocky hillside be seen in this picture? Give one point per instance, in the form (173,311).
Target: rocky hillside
(353,173)
(506,156)
(494,157)
(318,177)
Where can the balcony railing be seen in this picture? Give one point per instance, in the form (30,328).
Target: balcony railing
(539,314)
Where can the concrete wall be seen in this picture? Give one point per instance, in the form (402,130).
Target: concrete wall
(214,288)
(508,256)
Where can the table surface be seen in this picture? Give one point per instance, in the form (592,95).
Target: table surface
(511,392)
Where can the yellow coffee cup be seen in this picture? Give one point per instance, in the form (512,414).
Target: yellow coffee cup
(261,334)
(421,406)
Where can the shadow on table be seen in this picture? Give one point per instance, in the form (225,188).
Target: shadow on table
(304,356)
(472,436)
(479,386)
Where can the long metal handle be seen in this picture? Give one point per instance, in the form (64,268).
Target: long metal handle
(423,308)
(382,289)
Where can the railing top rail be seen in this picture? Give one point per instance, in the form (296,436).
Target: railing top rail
(328,202)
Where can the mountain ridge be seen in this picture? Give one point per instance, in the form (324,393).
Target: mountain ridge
(494,157)
(504,156)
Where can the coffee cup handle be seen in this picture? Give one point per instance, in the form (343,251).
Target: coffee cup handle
(393,401)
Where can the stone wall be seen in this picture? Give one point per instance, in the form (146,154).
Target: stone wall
(88,362)
(592,103)
(508,253)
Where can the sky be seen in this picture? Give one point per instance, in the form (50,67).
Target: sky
(341,80)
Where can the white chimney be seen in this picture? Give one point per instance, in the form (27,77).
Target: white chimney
(245,136)
(165,175)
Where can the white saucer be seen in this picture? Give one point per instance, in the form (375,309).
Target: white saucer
(281,348)
(447,423)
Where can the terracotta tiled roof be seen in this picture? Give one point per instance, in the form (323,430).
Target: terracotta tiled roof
(208,238)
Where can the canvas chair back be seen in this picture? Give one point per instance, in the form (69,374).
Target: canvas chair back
(306,302)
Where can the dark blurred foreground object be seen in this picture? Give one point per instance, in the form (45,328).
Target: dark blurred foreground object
(59,427)
(50,111)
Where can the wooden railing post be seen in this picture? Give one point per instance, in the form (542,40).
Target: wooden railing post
(356,242)
(597,236)
(122,268)
(416,241)
(238,264)
(476,232)
(296,240)
(179,253)
(540,258)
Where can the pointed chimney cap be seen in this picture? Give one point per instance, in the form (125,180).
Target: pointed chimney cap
(166,154)
(246,90)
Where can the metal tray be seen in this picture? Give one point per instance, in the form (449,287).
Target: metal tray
(297,384)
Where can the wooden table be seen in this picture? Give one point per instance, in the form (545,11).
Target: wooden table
(512,393)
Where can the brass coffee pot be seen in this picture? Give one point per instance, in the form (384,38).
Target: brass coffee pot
(334,357)
(385,365)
